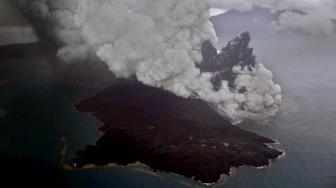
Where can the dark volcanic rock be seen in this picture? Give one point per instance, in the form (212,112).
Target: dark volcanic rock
(237,52)
(168,133)
(209,53)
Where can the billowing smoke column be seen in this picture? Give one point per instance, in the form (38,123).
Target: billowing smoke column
(159,42)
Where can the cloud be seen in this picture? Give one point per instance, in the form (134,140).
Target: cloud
(313,17)
(312,23)
(159,42)
(242,5)
(216,11)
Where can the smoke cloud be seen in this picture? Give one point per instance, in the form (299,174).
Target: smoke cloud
(159,42)
(314,17)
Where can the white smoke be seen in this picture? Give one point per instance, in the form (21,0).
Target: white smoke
(314,17)
(159,42)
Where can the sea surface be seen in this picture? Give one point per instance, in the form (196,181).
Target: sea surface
(40,112)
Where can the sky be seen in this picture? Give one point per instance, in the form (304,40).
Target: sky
(216,11)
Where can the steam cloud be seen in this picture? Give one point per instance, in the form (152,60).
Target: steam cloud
(159,42)
(314,17)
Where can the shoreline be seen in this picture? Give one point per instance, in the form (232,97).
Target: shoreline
(135,128)
(137,166)
(223,177)
(141,167)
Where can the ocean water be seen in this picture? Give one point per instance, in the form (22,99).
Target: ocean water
(306,126)
(40,113)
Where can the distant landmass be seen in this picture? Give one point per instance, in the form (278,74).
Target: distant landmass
(256,21)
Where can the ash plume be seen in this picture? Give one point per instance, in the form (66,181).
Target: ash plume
(159,42)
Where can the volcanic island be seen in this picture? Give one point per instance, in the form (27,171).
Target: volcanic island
(173,134)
